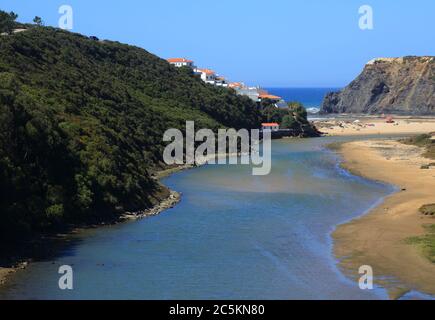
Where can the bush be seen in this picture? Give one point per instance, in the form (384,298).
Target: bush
(294,117)
(428,209)
(7,21)
(424,141)
(426,242)
(289,122)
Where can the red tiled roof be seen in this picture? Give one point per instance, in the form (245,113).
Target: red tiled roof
(206,71)
(269,96)
(173,60)
(272,124)
(235,84)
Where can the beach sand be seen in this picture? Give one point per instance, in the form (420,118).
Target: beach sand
(375,126)
(379,238)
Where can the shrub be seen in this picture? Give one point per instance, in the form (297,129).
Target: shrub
(428,209)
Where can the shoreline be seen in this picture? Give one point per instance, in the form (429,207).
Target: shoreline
(169,202)
(378,238)
(358,126)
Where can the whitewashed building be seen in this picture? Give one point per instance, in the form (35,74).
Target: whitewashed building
(207,75)
(181,62)
(221,81)
(251,92)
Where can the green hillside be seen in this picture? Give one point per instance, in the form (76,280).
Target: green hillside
(81,126)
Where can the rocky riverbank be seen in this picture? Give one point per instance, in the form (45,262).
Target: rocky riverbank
(9,268)
(173,198)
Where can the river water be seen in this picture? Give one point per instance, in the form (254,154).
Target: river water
(233,236)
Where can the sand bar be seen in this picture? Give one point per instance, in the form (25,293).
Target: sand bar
(379,238)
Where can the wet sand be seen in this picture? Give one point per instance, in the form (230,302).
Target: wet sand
(379,238)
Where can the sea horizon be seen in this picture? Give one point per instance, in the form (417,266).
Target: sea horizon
(310,97)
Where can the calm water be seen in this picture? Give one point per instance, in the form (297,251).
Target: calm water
(309,97)
(233,236)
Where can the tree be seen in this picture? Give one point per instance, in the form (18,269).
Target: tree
(289,122)
(7,21)
(294,104)
(298,110)
(273,114)
(13,15)
(8,87)
(38,21)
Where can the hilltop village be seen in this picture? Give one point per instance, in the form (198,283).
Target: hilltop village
(277,116)
(257,94)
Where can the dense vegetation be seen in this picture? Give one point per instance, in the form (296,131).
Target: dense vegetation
(81,126)
(7,22)
(426,242)
(294,117)
(428,209)
(425,141)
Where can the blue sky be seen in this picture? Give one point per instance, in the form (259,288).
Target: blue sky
(299,43)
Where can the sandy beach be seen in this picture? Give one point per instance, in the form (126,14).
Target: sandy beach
(379,238)
(375,126)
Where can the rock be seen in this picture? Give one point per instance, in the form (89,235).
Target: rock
(388,85)
(172,199)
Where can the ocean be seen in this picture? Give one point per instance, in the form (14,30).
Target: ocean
(309,97)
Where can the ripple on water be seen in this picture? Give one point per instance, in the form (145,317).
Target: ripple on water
(233,236)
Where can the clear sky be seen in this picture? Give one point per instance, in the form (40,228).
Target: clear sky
(294,43)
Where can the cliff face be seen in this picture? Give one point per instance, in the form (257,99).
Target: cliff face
(388,85)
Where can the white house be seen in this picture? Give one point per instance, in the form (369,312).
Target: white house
(273,126)
(207,75)
(221,81)
(250,92)
(180,62)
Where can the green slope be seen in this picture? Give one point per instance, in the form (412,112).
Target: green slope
(81,126)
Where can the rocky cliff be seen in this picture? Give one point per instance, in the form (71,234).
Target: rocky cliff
(388,85)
